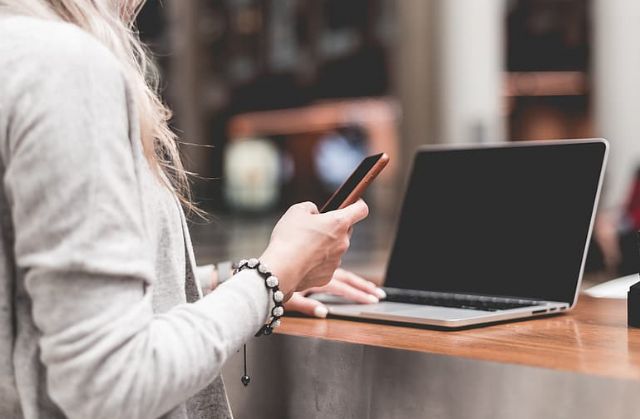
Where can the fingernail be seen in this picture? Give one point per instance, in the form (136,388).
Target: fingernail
(321,312)
(380,292)
(372,298)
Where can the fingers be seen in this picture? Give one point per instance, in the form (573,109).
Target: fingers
(307,306)
(349,292)
(359,283)
(353,213)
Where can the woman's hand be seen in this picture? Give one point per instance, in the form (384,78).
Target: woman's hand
(306,247)
(344,284)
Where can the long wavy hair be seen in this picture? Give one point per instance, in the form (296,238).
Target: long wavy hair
(112,23)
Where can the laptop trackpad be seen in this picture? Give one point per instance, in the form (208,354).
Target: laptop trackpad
(384,307)
(405,311)
(402,311)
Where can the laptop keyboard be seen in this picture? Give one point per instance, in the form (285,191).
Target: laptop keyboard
(441,299)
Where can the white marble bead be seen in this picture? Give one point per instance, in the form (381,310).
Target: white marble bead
(278,296)
(272,282)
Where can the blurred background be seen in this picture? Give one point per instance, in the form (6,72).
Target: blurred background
(277,101)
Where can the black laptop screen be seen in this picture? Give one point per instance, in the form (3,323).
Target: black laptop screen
(507,221)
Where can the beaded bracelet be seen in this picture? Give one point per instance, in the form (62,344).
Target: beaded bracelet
(272,284)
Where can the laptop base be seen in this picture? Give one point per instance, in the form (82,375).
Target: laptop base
(442,317)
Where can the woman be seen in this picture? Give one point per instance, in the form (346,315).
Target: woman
(100,313)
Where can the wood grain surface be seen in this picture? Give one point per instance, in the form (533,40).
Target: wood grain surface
(592,339)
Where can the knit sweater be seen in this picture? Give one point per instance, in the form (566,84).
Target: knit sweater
(100,316)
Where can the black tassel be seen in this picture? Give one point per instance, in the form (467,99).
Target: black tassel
(245,378)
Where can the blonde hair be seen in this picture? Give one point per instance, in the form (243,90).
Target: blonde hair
(112,23)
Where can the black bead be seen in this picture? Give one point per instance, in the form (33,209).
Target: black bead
(267,330)
(245,380)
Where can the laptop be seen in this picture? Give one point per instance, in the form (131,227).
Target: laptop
(490,233)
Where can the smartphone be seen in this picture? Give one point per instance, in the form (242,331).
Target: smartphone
(353,188)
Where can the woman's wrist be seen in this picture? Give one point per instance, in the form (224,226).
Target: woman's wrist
(272,283)
(278,264)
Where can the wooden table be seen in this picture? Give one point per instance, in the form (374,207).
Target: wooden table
(592,339)
(584,364)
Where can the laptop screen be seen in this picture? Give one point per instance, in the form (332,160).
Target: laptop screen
(504,220)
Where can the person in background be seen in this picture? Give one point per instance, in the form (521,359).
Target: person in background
(616,236)
(101,315)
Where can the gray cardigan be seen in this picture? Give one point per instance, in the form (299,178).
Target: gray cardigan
(100,316)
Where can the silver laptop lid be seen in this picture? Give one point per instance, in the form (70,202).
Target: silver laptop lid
(511,219)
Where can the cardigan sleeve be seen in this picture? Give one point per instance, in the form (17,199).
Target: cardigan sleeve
(80,240)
